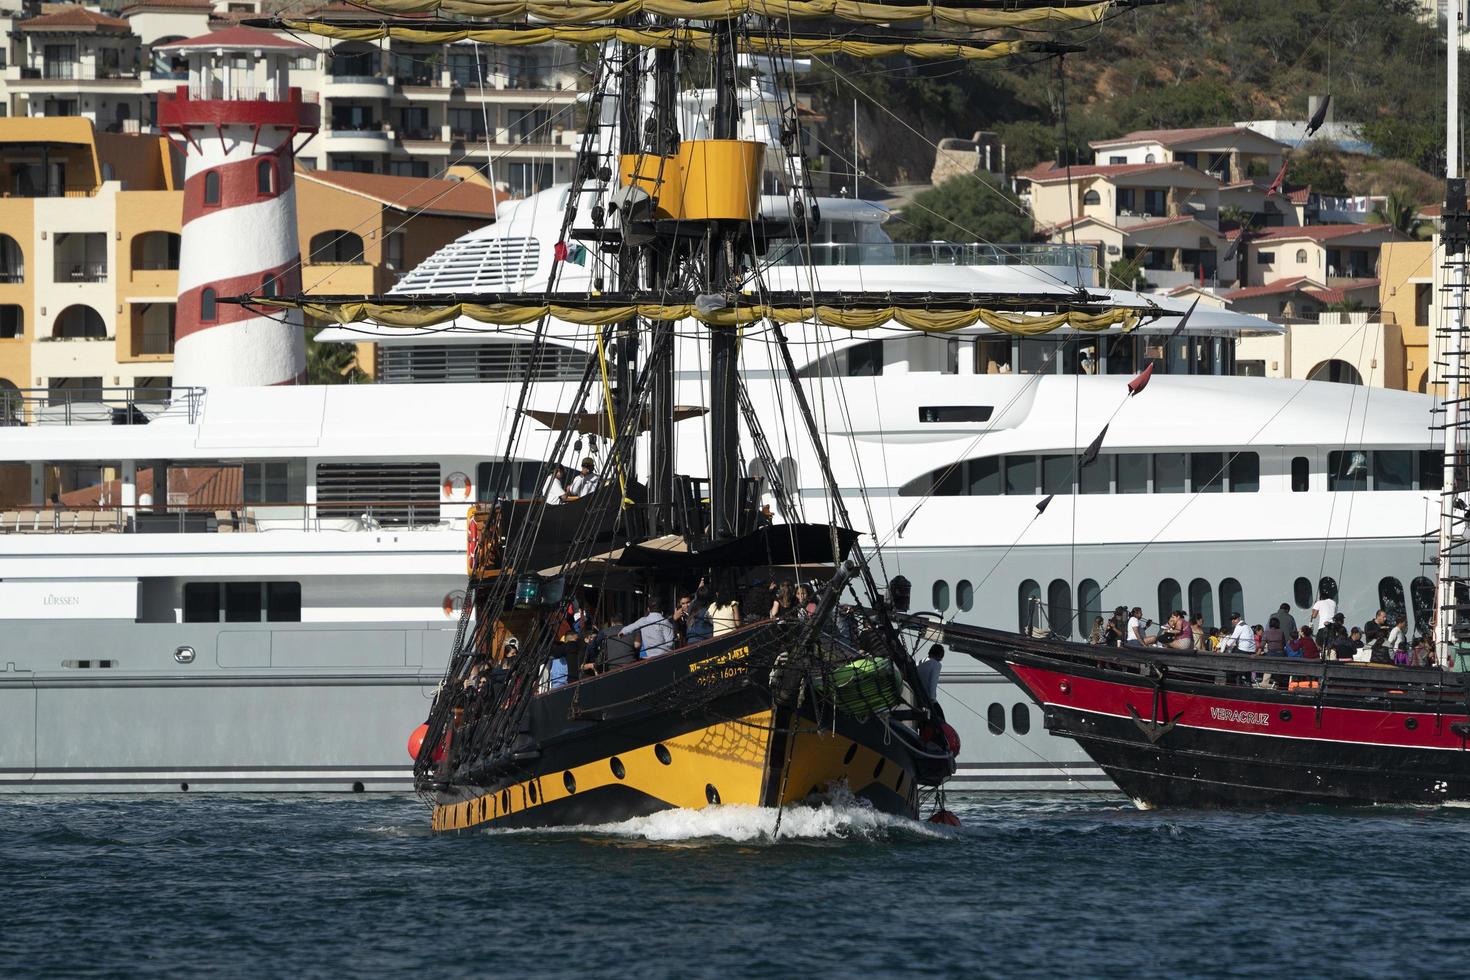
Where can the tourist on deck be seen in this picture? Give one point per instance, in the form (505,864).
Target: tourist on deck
(1115,633)
(1242,638)
(1136,625)
(1288,621)
(929,671)
(655,632)
(806,605)
(1302,645)
(1398,641)
(845,622)
(1095,636)
(701,627)
(1349,646)
(680,619)
(784,604)
(724,613)
(1181,636)
(556,484)
(1376,627)
(586,480)
(1274,638)
(1323,610)
(1197,630)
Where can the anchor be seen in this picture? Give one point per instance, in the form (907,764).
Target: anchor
(1152,729)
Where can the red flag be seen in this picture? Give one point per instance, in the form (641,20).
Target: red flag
(1141,382)
(1280,180)
(560,252)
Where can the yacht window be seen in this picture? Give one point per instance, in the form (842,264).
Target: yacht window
(283,602)
(1170,599)
(1020,475)
(1133,472)
(201,602)
(941,595)
(1028,596)
(1202,601)
(1391,598)
(242,602)
(1301,474)
(523,481)
(1245,473)
(995,719)
(1232,599)
(1087,357)
(1207,472)
(955,413)
(267,482)
(1327,588)
(865,360)
(1120,354)
(1421,591)
(952,357)
(1059,607)
(1301,591)
(993,355)
(1169,472)
(1431,470)
(1393,470)
(964,595)
(1056,474)
(845,232)
(1347,470)
(1021,718)
(1097,476)
(1089,599)
(984,475)
(1034,356)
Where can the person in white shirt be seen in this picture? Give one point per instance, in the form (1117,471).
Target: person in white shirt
(586,481)
(1323,611)
(929,671)
(1136,626)
(556,484)
(1242,638)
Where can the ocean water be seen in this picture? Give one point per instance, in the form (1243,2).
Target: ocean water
(1038,886)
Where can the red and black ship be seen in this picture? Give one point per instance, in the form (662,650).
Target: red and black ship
(1177,729)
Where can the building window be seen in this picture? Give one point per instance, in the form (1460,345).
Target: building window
(265,177)
(1170,598)
(12,261)
(12,321)
(995,719)
(211,188)
(207,311)
(1091,197)
(1301,474)
(268,286)
(1301,591)
(1301,256)
(1020,718)
(941,595)
(79,322)
(964,594)
(1337,371)
(1265,258)
(1028,598)
(336,247)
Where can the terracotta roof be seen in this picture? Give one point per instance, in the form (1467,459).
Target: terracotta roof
(202,486)
(1292,285)
(1168,136)
(1049,171)
(448,197)
(77,19)
(204,5)
(1432,210)
(1336,294)
(1162,222)
(1301,196)
(1316,233)
(235,37)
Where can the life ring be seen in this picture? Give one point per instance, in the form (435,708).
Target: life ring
(453,603)
(456,487)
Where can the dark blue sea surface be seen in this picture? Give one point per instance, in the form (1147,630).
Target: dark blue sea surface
(1043,886)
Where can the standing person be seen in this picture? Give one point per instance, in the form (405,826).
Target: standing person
(1242,638)
(1136,625)
(929,671)
(655,632)
(1096,636)
(1323,610)
(556,484)
(586,480)
(1288,621)
(724,613)
(683,613)
(1398,641)
(1274,638)
(1375,628)
(785,602)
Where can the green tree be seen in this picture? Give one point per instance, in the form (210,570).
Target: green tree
(971,208)
(1400,211)
(1418,140)
(1319,167)
(332,364)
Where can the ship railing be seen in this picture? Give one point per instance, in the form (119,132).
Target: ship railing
(88,405)
(226,517)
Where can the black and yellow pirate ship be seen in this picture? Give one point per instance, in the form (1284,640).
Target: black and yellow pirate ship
(768,711)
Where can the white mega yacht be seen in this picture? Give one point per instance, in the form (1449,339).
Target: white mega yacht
(286,630)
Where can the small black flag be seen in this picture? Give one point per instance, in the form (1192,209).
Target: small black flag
(1319,117)
(1090,457)
(1179,329)
(1041,507)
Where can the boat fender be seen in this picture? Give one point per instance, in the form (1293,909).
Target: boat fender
(416,742)
(945,818)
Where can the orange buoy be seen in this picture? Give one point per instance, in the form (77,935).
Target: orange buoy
(945,817)
(416,740)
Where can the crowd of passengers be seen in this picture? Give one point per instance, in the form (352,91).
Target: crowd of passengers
(588,644)
(1326,636)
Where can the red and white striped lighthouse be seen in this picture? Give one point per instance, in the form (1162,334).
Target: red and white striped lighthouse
(238,122)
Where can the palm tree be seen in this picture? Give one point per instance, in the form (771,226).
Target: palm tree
(1401,212)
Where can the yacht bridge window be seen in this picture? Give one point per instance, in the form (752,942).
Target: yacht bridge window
(1385,469)
(1027,475)
(242,602)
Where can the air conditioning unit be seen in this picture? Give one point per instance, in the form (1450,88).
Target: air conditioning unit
(1115,250)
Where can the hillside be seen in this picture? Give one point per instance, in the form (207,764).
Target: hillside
(1180,64)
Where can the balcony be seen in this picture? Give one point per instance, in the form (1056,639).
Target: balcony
(82,272)
(357,87)
(73,71)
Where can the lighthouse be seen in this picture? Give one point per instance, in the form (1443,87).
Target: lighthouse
(239,123)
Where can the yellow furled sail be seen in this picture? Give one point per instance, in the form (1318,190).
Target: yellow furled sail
(592,11)
(506,314)
(659,38)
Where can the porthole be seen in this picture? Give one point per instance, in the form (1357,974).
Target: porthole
(1021,718)
(1302,592)
(569,781)
(184,787)
(531,791)
(850,755)
(1411,723)
(711,794)
(878,769)
(661,752)
(941,595)
(617,767)
(995,717)
(964,595)
(1286,714)
(358,787)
